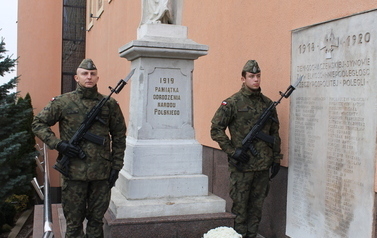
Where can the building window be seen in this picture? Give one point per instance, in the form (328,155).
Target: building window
(94,10)
(99,7)
(89,15)
(73,45)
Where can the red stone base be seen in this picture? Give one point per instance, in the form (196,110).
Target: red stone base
(184,226)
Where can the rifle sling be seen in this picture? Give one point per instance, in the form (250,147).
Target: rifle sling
(265,137)
(94,138)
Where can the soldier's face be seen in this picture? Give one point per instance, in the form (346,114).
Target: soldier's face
(251,80)
(86,78)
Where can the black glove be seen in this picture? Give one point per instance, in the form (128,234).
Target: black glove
(113,177)
(275,167)
(241,156)
(69,150)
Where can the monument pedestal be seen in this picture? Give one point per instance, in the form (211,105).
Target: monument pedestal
(162,175)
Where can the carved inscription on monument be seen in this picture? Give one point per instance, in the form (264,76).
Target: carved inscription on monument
(333,129)
(167,98)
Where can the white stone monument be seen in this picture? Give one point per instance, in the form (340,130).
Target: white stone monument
(161,11)
(333,129)
(162,175)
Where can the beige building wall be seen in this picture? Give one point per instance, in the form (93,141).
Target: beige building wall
(235,31)
(240,30)
(39,50)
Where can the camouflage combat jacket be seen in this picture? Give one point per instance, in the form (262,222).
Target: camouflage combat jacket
(239,113)
(70,110)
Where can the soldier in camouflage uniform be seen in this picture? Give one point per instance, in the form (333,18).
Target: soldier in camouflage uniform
(249,182)
(86,192)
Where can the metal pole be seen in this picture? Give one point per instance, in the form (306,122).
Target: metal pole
(47,219)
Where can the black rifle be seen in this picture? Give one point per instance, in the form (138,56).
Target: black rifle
(83,133)
(256,130)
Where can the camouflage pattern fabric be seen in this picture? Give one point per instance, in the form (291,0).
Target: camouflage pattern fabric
(248,191)
(252,67)
(249,188)
(86,193)
(82,200)
(239,113)
(87,64)
(70,110)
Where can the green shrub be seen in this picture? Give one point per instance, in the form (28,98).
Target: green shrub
(20,202)
(7,214)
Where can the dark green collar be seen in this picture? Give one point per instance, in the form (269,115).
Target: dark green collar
(88,93)
(250,93)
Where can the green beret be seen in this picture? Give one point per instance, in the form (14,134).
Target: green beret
(87,64)
(251,66)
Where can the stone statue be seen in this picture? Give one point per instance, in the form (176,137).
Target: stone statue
(158,11)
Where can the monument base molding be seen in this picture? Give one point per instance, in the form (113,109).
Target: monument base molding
(122,207)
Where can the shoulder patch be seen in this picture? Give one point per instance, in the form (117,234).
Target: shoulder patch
(53,99)
(224,103)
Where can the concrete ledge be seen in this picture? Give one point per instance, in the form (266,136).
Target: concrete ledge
(162,30)
(154,187)
(38,221)
(123,208)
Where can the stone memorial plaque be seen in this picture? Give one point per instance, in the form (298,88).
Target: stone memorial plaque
(167,99)
(333,129)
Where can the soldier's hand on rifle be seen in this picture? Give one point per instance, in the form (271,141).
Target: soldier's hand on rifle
(274,169)
(69,150)
(241,156)
(113,177)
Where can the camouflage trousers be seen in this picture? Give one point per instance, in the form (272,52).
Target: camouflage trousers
(248,191)
(85,199)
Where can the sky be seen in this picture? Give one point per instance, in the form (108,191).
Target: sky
(8,26)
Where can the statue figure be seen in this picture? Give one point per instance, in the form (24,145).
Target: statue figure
(157,11)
